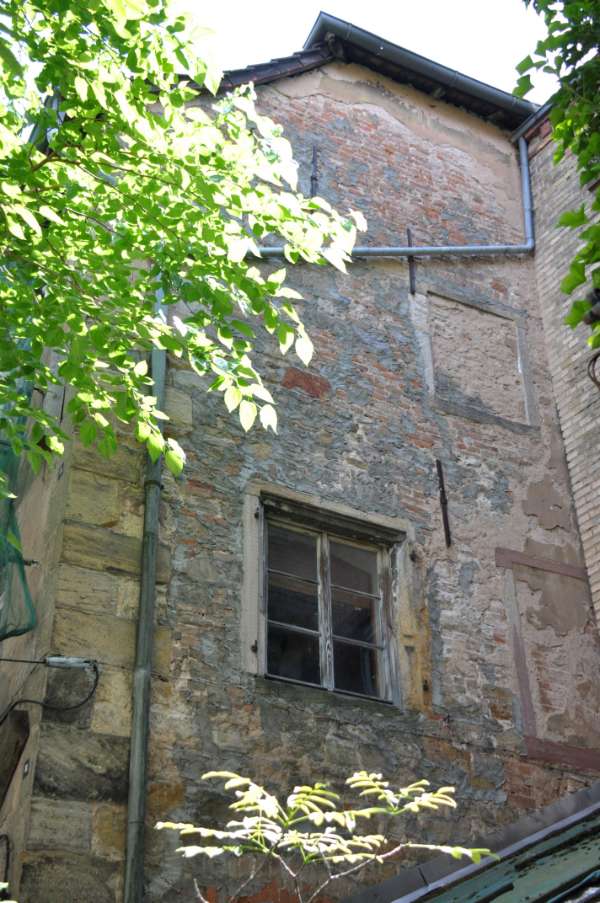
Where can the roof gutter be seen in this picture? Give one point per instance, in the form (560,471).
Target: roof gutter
(530,123)
(330,25)
(525,247)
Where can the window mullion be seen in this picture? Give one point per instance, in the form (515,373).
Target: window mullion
(325,631)
(383,655)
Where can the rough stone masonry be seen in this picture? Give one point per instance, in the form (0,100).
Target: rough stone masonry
(496,635)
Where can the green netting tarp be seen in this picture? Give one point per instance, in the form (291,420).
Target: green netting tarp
(17,613)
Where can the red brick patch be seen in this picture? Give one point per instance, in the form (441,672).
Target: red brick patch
(313,385)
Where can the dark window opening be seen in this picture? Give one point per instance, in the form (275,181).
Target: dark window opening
(326,602)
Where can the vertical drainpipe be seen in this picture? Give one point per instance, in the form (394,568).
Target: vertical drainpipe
(138,755)
(526,196)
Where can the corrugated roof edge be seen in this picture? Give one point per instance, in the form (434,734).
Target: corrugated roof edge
(418,882)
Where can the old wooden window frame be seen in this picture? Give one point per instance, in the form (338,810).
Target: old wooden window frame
(326,526)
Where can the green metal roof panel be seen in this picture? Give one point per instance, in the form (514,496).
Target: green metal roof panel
(551,855)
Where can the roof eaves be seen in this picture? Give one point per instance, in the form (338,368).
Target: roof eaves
(283,67)
(464,89)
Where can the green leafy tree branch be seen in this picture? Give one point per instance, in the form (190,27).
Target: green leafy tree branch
(570,52)
(118,187)
(312,831)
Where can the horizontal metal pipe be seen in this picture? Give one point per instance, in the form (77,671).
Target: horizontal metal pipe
(424,251)
(525,247)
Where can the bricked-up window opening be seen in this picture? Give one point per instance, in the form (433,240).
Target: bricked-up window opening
(326,606)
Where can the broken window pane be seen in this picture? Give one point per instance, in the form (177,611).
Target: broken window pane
(353,567)
(292,552)
(293,655)
(353,615)
(293,601)
(355,669)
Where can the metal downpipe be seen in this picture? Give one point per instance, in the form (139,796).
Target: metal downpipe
(525,247)
(138,755)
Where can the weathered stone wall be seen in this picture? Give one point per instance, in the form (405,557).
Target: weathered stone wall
(75,846)
(496,637)
(501,696)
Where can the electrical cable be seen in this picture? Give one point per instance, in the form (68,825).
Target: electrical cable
(591,369)
(25,661)
(51,706)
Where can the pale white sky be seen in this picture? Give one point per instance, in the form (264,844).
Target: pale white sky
(482,38)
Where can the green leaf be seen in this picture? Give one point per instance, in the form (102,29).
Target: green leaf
(575,277)
(268,417)
(248,413)
(55,445)
(336,257)
(9,62)
(15,228)
(81,87)
(213,77)
(524,85)
(113,202)
(87,432)
(155,445)
(28,217)
(50,214)
(304,349)
(285,334)
(100,93)
(142,430)
(174,458)
(573,218)
(276,279)
(260,391)
(11,189)
(232,398)
(577,312)
(524,65)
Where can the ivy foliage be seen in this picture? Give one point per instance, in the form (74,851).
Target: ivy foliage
(570,52)
(118,187)
(312,827)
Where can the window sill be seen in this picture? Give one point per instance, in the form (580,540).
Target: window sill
(308,694)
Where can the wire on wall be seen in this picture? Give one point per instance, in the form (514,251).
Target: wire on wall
(55,662)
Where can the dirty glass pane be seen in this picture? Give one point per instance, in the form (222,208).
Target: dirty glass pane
(294,553)
(353,567)
(293,655)
(293,601)
(353,615)
(355,669)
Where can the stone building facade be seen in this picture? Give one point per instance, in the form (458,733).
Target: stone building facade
(492,646)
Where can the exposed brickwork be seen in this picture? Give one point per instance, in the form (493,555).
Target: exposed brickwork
(315,386)
(456,372)
(556,189)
